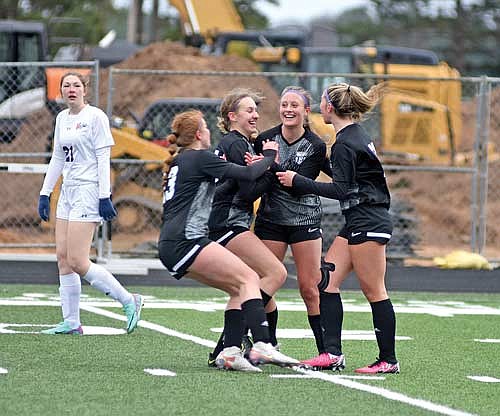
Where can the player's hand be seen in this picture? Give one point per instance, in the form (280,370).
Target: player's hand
(106,209)
(286,178)
(44,207)
(270,144)
(250,158)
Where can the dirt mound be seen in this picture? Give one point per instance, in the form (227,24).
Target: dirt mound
(136,92)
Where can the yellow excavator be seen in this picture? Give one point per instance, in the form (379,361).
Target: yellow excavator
(418,120)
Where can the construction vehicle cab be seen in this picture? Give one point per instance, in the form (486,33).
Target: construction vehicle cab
(155,125)
(418,119)
(20,42)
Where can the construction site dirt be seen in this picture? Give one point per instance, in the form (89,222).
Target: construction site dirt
(429,193)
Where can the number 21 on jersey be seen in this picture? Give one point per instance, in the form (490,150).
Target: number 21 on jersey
(68,151)
(170,187)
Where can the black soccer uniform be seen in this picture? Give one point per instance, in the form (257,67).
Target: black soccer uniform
(359,184)
(231,214)
(284,215)
(187,203)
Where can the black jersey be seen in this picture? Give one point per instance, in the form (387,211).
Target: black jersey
(227,209)
(305,156)
(358,175)
(190,187)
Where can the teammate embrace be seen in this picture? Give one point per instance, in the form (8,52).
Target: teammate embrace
(282,167)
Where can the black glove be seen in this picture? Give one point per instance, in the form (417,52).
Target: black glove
(44,207)
(106,209)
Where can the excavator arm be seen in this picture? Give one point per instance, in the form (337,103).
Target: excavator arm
(207,18)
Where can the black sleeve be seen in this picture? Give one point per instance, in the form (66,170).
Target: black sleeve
(343,162)
(257,145)
(332,190)
(236,152)
(327,168)
(250,191)
(252,172)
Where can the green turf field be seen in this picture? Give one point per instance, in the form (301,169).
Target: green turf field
(449,353)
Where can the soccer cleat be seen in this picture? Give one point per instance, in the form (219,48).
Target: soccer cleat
(63,328)
(231,358)
(262,353)
(211,360)
(133,312)
(246,345)
(326,361)
(379,366)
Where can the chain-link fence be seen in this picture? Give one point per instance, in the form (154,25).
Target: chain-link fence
(29,102)
(431,134)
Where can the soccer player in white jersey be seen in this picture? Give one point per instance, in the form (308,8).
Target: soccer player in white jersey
(81,152)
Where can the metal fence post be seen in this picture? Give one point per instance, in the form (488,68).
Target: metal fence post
(109,104)
(96,83)
(480,177)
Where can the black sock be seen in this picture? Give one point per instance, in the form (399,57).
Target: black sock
(231,315)
(233,327)
(272,319)
(332,316)
(220,345)
(384,323)
(255,317)
(265,297)
(315,324)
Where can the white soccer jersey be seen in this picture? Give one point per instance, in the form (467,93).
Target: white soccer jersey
(76,139)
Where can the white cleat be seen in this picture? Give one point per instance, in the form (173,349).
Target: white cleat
(231,358)
(263,353)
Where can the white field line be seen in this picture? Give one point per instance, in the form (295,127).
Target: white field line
(150,325)
(210,306)
(484,379)
(391,395)
(423,404)
(159,372)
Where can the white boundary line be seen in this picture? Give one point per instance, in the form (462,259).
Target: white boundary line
(150,325)
(391,395)
(423,404)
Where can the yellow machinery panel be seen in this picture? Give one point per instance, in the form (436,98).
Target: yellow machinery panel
(208,17)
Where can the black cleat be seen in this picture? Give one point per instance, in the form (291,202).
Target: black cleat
(246,345)
(211,360)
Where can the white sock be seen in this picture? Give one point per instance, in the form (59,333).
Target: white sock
(70,287)
(104,281)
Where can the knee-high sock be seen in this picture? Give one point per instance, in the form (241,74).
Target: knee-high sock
(233,327)
(272,319)
(315,324)
(384,323)
(220,343)
(255,318)
(332,316)
(70,288)
(105,282)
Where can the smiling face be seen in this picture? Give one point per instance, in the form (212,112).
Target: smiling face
(73,91)
(293,111)
(244,118)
